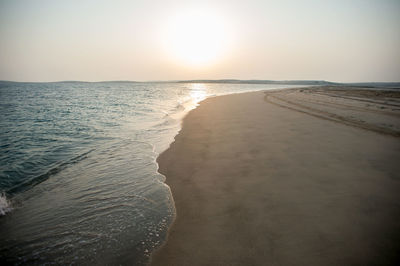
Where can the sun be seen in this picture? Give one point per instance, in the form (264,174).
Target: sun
(197,37)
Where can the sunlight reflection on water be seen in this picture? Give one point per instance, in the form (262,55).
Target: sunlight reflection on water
(198,92)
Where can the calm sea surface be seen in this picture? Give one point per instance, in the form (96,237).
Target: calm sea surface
(78,176)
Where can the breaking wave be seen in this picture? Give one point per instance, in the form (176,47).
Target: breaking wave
(5,205)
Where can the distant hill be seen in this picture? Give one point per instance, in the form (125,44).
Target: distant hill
(298,82)
(254,81)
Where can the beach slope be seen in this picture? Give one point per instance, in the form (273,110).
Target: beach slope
(289,177)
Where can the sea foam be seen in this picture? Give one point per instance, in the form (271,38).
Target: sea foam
(5,205)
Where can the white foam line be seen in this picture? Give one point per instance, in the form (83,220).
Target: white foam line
(5,205)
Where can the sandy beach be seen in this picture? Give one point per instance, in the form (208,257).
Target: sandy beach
(289,177)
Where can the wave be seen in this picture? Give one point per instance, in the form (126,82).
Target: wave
(5,205)
(40,178)
(179,107)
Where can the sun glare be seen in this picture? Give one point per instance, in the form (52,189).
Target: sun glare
(198,92)
(197,37)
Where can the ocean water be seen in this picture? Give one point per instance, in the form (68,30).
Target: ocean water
(78,172)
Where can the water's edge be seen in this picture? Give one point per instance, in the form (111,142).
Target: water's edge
(160,247)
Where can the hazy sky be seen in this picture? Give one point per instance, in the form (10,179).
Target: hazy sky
(345,41)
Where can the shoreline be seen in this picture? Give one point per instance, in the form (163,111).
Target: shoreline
(185,156)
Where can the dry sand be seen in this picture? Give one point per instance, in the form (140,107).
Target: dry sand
(292,177)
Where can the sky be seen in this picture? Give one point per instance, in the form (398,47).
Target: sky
(334,40)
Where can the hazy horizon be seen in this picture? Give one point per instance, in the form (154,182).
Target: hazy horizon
(225,80)
(337,41)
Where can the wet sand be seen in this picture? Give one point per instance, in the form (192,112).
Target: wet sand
(290,177)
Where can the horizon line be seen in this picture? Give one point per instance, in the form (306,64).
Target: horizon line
(233,81)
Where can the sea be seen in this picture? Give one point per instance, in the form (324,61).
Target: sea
(78,171)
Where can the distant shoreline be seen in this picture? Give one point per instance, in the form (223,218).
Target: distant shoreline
(395,85)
